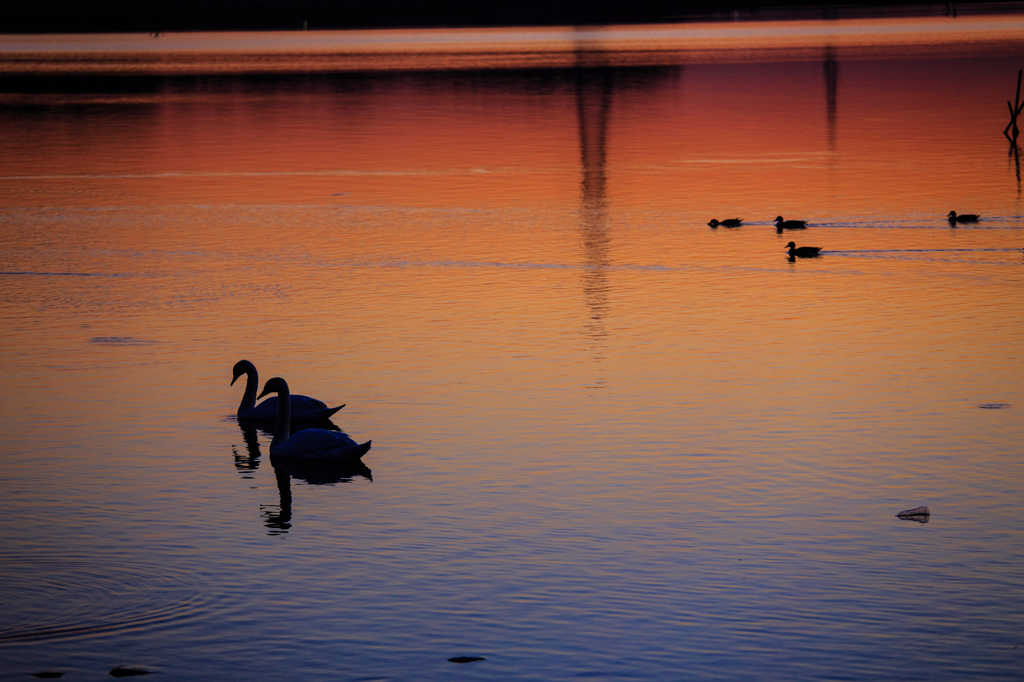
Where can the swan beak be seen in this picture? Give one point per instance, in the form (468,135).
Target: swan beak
(266,390)
(235,379)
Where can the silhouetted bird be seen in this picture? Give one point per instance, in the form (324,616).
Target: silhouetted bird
(781,224)
(803,251)
(311,444)
(966,218)
(730,222)
(303,408)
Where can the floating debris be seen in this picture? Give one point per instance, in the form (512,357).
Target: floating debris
(919,514)
(47,675)
(466,659)
(994,406)
(128,671)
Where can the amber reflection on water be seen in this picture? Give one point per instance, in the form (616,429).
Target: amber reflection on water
(606,437)
(732,136)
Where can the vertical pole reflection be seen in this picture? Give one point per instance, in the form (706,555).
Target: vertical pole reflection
(593,101)
(831,67)
(1014,154)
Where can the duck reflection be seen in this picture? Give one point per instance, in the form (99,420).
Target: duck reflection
(278,518)
(593,100)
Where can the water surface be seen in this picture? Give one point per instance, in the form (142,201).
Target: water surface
(609,441)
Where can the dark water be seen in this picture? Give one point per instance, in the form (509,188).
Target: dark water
(608,441)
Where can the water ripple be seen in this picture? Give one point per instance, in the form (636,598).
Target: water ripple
(33,273)
(47,600)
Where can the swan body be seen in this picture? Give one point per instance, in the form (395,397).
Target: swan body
(303,408)
(781,224)
(728,222)
(803,251)
(966,218)
(309,444)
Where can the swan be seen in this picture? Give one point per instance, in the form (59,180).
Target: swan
(308,444)
(729,222)
(303,408)
(967,218)
(803,251)
(781,224)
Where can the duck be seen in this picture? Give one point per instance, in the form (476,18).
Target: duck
(781,224)
(966,218)
(803,251)
(303,408)
(728,222)
(318,445)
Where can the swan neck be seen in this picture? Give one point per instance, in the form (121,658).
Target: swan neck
(252,383)
(284,418)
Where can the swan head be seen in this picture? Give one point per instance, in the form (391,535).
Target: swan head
(791,245)
(275,385)
(242,367)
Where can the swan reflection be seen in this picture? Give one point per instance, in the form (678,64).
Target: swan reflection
(278,518)
(249,461)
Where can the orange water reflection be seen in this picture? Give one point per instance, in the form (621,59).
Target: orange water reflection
(608,172)
(865,137)
(579,394)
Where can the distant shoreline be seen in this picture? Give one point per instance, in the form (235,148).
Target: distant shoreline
(158,16)
(407,49)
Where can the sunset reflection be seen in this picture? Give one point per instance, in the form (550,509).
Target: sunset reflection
(594,96)
(608,440)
